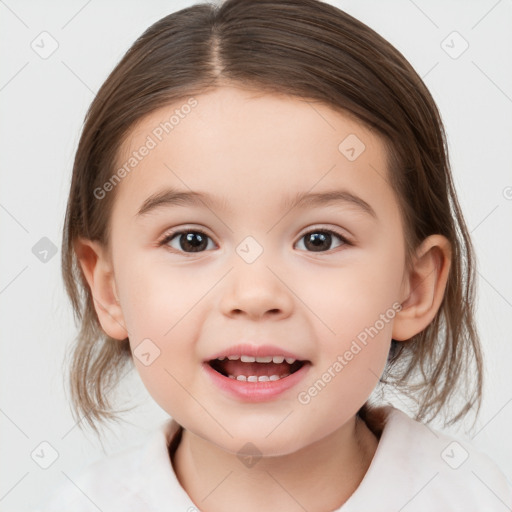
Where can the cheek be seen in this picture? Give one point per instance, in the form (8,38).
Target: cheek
(160,309)
(356,305)
(346,300)
(156,297)
(165,360)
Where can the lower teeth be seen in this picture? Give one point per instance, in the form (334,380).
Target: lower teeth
(255,378)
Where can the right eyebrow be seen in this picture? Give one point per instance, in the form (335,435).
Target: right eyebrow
(175,197)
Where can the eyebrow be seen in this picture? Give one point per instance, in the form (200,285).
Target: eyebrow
(173,197)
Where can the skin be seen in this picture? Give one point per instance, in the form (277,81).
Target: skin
(253,149)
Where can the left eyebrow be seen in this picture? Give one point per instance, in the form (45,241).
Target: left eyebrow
(175,197)
(304,200)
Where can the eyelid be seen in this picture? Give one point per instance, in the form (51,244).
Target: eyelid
(315,228)
(171,234)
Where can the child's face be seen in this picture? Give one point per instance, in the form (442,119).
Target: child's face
(252,155)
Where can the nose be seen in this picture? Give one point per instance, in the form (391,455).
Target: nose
(257,291)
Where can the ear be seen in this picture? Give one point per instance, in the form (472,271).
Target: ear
(424,287)
(98,271)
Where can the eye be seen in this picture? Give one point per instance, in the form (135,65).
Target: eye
(187,241)
(193,240)
(320,240)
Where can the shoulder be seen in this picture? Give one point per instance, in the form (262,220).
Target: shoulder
(418,468)
(119,482)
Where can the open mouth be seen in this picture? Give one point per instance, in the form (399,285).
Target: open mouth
(256,369)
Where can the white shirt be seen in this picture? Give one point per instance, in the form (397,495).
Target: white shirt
(414,469)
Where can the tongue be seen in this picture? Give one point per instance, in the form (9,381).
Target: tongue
(259,369)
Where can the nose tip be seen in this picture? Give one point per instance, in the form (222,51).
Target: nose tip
(255,290)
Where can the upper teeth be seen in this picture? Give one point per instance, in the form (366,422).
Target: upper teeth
(266,359)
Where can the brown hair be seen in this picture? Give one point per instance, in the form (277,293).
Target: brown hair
(308,49)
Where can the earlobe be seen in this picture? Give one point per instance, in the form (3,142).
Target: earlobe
(98,272)
(425,286)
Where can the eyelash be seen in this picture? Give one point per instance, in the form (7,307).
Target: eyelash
(170,236)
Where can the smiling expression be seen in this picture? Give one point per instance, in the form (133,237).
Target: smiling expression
(212,249)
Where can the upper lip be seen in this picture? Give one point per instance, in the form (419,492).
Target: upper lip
(247,349)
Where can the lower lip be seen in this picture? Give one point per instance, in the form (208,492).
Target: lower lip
(255,391)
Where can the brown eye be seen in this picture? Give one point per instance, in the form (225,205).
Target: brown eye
(321,240)
(187,241)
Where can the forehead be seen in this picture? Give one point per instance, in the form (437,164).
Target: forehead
(245,148)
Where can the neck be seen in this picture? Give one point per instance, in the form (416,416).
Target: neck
(318,477)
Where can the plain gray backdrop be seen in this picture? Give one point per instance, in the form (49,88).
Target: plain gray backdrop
(56,54)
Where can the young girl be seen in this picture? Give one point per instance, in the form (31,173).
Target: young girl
(262,220)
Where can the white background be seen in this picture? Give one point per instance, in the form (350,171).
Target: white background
(43,103)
